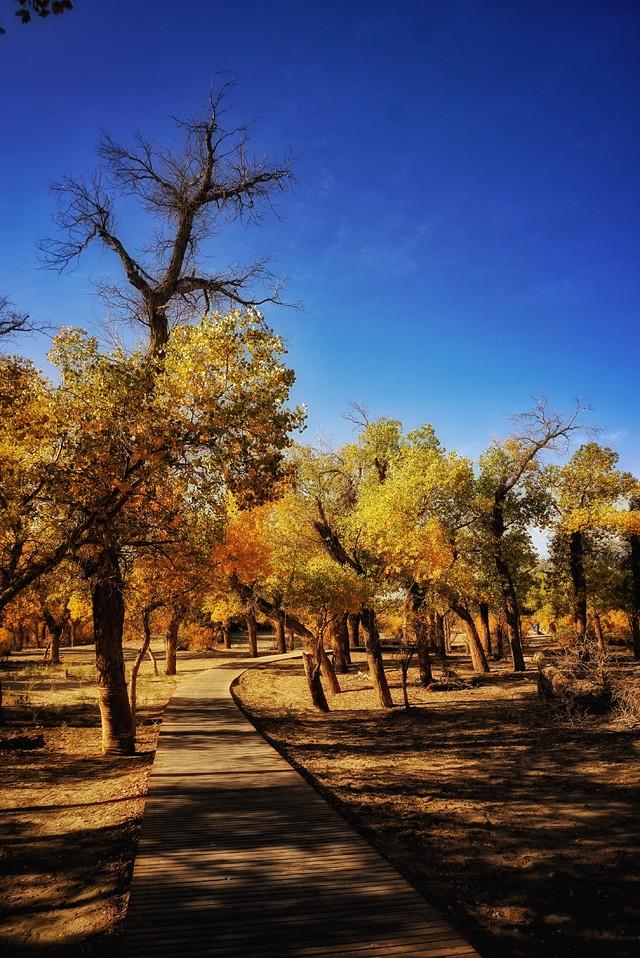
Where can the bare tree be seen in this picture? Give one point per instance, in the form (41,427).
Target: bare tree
(189,194)
(12,321)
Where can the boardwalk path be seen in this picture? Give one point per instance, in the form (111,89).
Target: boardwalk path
(241,858)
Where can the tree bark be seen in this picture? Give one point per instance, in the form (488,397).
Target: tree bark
(344,637)
(478,658)
(441,642)
(486,628)
(579,584)
(509,595)
(171,640)
(154,661)
(226,633)
(353,623)
(107,600)
(415,600)
(252,631)
(135,668)
(340,647)
(281,639)
(312,672)
(56,628)
(374,657)
(327,668)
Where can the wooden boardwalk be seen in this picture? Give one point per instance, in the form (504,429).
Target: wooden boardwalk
(240,857)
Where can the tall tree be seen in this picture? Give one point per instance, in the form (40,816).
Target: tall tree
(585,491)
(188,196)
(507,505)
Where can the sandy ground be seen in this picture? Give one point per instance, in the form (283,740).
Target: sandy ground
(522,830)
(69,817)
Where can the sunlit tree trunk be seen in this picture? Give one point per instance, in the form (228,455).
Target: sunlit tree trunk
(107,600)
(171,640)
(338,644)
(478,658)
(281,638)
(56,628)
(327,668)
(135,668)
(374,657)
(252,631)
(312,672)
(486,628)
(226,633)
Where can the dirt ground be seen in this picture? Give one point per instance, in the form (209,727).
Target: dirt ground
(523,830)
(69,817)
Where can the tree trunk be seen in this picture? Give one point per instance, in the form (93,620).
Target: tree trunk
(344,636)
(486,628)
(374,657)
(312,672)
(327,668)
(337,629)
(291,641)
(154,661)
(252,630)
(579,583)
(441,642)
(353,624)
(135,668)
(421,632)
(158,329)
(478,658)
(509,595)
(417,623)
(281,639)
(171,640)
(56,628)
(226,633)
(499,653)
(107,600)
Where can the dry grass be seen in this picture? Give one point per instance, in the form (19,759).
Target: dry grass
(69,817)
(523,830)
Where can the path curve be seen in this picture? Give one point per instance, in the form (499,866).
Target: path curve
(240,857)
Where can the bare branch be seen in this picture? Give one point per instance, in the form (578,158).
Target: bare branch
(13,322)
(191,193)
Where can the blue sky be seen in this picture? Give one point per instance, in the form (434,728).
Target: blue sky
(463,232)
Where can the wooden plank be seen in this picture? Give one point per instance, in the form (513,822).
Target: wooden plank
(240,857)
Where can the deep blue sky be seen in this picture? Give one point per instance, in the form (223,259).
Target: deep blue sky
(464,229)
